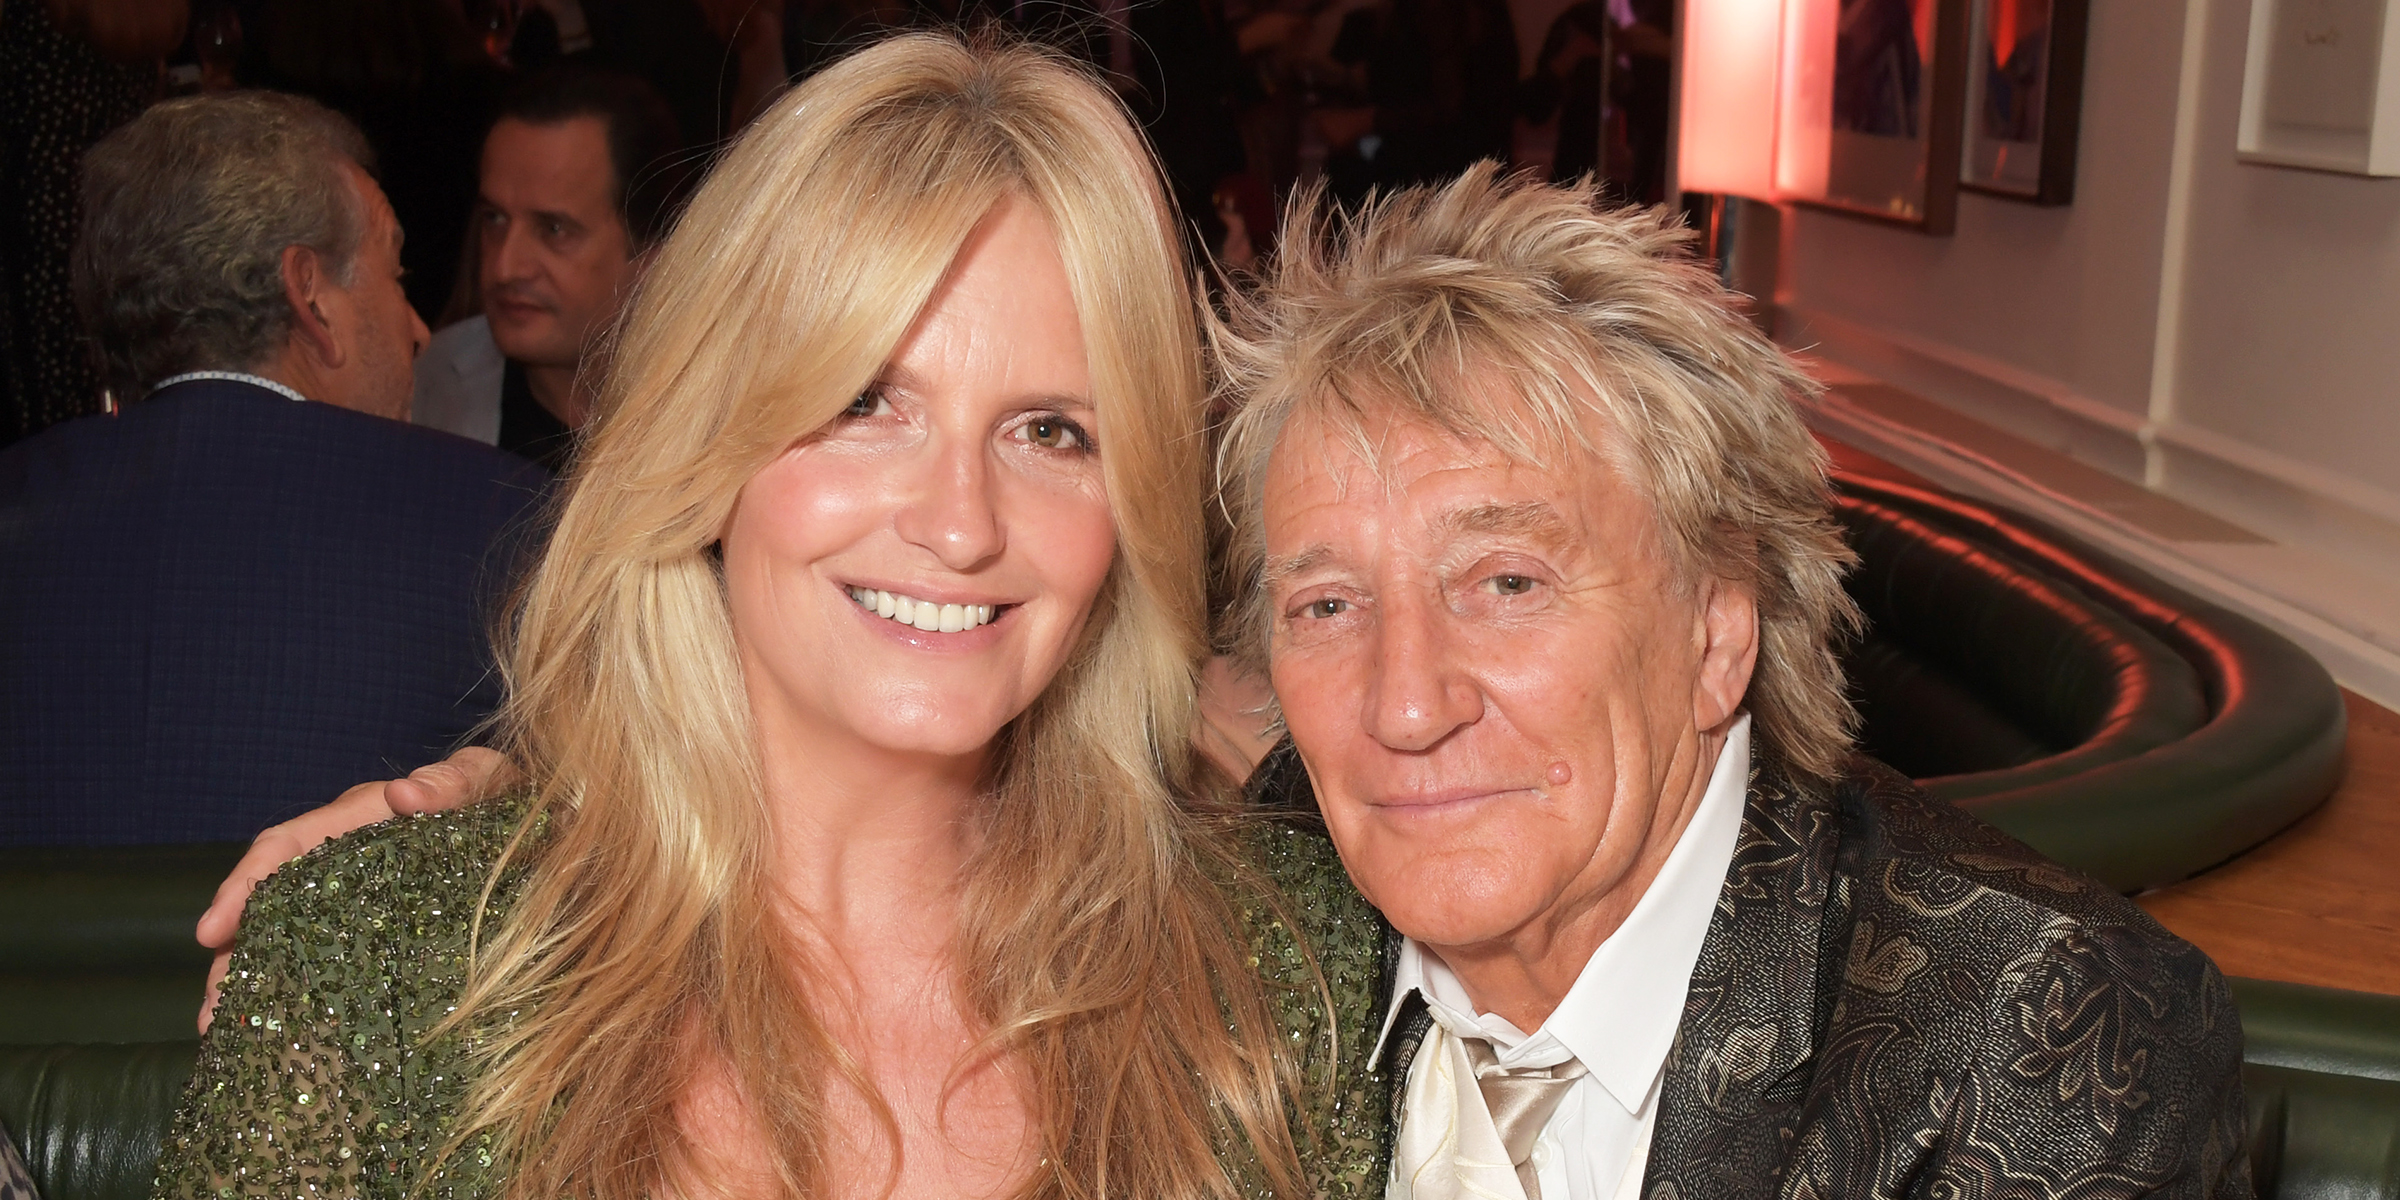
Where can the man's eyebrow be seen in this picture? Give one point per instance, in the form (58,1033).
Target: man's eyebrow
(1533,519)
(1284,566)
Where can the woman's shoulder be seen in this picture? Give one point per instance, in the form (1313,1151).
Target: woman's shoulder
(1313,893)
(350,958)
(379,919)
(432,869)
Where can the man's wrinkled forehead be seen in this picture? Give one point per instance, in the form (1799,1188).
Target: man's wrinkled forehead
(1354,439)
(1446,487)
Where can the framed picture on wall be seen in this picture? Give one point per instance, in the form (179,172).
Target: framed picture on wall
(2024,98)
(1874,91)
(2321,86)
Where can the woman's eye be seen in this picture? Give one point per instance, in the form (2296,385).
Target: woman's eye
(1319,610)
(870,403)
(1055,433)
(1512,585)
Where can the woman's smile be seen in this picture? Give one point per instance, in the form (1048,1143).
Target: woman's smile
(927,616)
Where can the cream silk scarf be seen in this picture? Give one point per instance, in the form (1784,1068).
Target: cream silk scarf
(1468,1138)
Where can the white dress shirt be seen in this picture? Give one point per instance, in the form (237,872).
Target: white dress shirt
(458,382)
(257,381)
(1619,1019)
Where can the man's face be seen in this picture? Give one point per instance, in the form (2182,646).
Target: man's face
(554,257)
(1493,675)
(381,334)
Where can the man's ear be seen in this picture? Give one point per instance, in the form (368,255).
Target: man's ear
(1728,651)
(304,287)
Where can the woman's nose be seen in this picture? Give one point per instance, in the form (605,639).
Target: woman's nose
(954,512)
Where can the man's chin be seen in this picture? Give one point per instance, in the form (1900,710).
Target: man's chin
(1456,899)
(1446,928)
(532,339)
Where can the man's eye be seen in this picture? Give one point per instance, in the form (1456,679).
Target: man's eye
(1319,610)
(1056,433)
(1512,585)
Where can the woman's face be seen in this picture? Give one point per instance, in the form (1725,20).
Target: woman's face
(908,580)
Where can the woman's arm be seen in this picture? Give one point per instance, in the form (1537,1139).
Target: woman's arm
(321,1075)
(274,1108)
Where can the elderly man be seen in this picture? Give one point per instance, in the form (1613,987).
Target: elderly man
(1545,580)
(253,581)
(1548,591)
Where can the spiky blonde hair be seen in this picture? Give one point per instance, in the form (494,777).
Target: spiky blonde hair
(1528,317)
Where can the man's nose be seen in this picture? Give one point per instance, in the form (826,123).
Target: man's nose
(1419,690)
(418,336)
(954,512)
(506,256)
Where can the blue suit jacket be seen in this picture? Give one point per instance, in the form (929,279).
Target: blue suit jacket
(221,607)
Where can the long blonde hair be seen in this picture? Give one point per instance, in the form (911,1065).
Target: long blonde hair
(1095,945)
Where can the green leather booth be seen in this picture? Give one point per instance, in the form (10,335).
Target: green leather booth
(2322,1073)
(96,945)
(90,1118)
(2114,722)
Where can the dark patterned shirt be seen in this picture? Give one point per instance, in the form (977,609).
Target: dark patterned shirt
(15,1183)
(1897,1000)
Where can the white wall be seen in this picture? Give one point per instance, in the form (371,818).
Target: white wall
(2228,333)
(2287,358)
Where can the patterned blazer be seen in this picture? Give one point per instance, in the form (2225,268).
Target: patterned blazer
(1896,999)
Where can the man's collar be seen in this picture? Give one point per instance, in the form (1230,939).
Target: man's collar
(1621,1015)
(257,381)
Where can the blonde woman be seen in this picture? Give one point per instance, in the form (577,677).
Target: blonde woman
(859,857)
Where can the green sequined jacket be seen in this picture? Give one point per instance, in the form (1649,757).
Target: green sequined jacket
(318,1077)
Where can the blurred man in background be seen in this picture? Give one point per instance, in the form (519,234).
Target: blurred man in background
(254,579)
(579,179)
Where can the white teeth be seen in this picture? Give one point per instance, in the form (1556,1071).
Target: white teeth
(923,614)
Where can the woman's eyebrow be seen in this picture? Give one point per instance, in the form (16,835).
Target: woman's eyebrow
(1065,402)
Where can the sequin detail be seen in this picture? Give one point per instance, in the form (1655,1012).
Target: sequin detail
(317,1078)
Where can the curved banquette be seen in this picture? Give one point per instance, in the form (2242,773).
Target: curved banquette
(2115,722)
